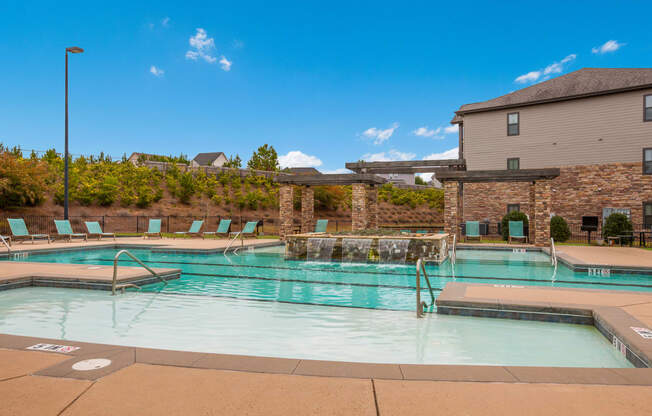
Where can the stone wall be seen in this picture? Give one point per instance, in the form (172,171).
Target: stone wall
(359,206)
(452,215)
(285,211)
(578,191)
(307,209)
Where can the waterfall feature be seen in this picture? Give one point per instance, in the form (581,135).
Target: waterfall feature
(320,249)
(355,250)
(393,251)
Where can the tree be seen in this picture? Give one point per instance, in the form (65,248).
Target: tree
(418,180)
(233,162)
(559,229)
(265,158)
(616,224)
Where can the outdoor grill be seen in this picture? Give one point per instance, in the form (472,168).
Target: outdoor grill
(589,223)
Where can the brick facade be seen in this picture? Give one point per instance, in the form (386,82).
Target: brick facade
(286,210)
(542,204)
(307,209)
(452,215)
(578,191)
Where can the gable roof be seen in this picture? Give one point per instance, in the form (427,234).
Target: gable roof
(585,82)
(304,171)
(205,159)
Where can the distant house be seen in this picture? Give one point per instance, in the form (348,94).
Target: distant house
(303,171)
(215,159)
(403,178)
(135,156)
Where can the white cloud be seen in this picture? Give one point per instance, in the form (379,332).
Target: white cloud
(379,135)
(453,128)
(298,159)
(426,132)
(553,68)
(447,154)
(225,63)
(201,46)
(165,22)
(337,171)
(157,72)
(608,46)
(392,155)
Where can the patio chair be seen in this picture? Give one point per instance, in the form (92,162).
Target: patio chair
(222,229)
(406,232)
(516,231)
(473,230)
(95,230)
(249,229)
(321,225)
(154,228)
(422,231)
(194,229)
(19,231)
(64,230)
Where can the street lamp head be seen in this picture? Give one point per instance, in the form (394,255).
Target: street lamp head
(74,49)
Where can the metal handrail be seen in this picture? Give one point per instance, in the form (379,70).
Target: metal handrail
(115,286)
(228,246)
(553,252)
(5,243)
(454,251)
(420,305)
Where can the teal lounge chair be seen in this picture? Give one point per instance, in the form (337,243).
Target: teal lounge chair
(19,231)
(222,229)
(249,229)
(422,231)
(94,230)
(194,228)
(406,232)
(321,225)
(516,231)
(154,228)
(473,229)
(64,230)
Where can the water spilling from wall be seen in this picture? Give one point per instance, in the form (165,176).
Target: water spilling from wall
(320,249)
(393,251)
(355,250)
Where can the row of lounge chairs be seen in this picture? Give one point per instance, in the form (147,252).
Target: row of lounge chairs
(20,232)
(472,230)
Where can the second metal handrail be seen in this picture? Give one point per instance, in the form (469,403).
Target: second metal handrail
(5,243)
(420,305)
(454,249)
(115,286)
(553,252)
(228,246)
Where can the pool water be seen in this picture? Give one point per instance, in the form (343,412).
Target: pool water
(258,303)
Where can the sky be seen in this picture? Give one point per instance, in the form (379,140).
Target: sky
(325,83)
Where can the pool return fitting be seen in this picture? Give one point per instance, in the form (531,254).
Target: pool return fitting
(115,286)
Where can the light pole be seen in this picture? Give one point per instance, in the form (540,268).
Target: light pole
(73,49)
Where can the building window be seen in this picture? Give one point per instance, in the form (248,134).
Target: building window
(513,207)
(513,124)
(647,215)
(647,108)
(647,161)
(513,163)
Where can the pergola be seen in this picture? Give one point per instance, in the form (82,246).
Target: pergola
(540,195)
(364,210)
(453,174)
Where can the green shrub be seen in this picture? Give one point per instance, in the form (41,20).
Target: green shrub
(22,181)
(616,224)
(512,216)
(559,229)
(108,190)
(186,187)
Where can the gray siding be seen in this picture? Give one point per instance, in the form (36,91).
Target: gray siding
(586,131)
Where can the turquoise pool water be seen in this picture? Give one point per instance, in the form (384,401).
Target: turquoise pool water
(264,274)
(257,303)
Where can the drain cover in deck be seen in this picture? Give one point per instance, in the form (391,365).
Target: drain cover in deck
(92,364)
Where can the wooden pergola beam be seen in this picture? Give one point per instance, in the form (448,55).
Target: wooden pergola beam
(332,179)
(520,175)
(404,166)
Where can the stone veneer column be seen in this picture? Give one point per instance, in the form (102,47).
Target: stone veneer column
(307,209)
(359,207)
(451,208)
(542,207)
(285,211)
(372,207)
(531,213)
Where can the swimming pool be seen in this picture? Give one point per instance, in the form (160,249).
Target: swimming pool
(257,303)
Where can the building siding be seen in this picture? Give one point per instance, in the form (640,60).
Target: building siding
(588,131)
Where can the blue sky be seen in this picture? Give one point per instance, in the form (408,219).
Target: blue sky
(325,83)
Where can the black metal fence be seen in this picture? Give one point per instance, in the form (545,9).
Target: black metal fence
(44,224)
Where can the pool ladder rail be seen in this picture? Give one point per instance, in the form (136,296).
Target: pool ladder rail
(553,252)
(115,286)
(421,268)
(4,241)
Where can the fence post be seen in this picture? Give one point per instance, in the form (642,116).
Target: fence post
(168,225)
